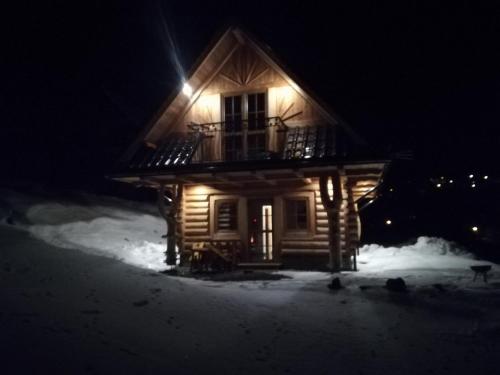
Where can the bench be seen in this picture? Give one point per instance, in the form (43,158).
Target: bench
(481,270)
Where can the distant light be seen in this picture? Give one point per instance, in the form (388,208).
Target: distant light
(473,185)
(391,189)
(474,229)
(187,90)
(485,177)
(471,176)
(451,181)
(442,178)
(388,222)
(438,185)
(371,200)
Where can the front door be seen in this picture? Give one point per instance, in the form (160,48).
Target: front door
(260,230)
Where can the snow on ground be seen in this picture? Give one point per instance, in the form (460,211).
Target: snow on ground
(74,312)
(101,226)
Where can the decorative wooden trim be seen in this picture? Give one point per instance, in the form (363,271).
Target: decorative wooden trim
(238,234)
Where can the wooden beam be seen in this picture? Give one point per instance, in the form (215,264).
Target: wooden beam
(261,176)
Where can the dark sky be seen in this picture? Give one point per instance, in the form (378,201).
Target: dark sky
(79,80)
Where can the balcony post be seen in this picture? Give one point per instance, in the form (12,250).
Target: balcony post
(332,206)
(170,213)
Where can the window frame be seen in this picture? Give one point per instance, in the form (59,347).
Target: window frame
(213,217)
(245,132)
(310,231)
(294,200)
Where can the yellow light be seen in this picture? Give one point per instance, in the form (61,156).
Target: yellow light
(388,222)
(330,188)
(200,189)
(187,89)
(471,176)
(475,229)
(485,177)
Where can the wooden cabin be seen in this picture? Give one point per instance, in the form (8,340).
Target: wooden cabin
(246,159)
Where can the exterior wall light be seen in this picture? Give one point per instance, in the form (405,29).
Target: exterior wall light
(187,90)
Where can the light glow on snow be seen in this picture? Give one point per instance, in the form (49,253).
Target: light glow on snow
(123,230)
(429,253)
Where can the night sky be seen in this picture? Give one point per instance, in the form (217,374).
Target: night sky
(81,79)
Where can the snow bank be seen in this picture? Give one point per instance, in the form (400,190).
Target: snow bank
(102,226)
(427,252)
(130,240)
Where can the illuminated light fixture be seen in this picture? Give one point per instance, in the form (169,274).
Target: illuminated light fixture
(388,222)
(485,177)
(391,189)
(473,185)
(451,181)
(187,90)
(474,229)
(438,185)
(371,200)
(471,176)
(200,189)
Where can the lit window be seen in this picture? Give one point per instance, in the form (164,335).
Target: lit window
(245,126)
(296,214)
(227,215)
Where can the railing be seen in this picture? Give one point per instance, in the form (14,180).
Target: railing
(240,139)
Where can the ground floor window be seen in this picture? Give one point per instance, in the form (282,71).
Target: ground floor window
(226,211)
(296,218)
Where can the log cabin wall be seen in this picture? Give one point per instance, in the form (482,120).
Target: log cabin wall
(292,248)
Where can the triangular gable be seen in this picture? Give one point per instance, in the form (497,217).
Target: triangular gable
(232,44)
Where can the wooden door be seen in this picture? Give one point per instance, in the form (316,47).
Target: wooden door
(260,230)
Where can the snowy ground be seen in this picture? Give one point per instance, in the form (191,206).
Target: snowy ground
(67,311)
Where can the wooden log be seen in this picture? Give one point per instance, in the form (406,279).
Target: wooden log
(196,224)
(305,244)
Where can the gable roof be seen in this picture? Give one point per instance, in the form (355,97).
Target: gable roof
(206,69)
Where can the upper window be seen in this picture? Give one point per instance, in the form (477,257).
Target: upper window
(227,215)
(245,126)
(296,217)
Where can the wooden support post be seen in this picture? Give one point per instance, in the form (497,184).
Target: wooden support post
(352,235)
(169,213)
(332,206)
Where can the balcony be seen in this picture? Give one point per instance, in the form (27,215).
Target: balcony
(239,142)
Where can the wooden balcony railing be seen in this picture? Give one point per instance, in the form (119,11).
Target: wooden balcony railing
(240,139)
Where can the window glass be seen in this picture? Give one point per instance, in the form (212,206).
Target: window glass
(296,214)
